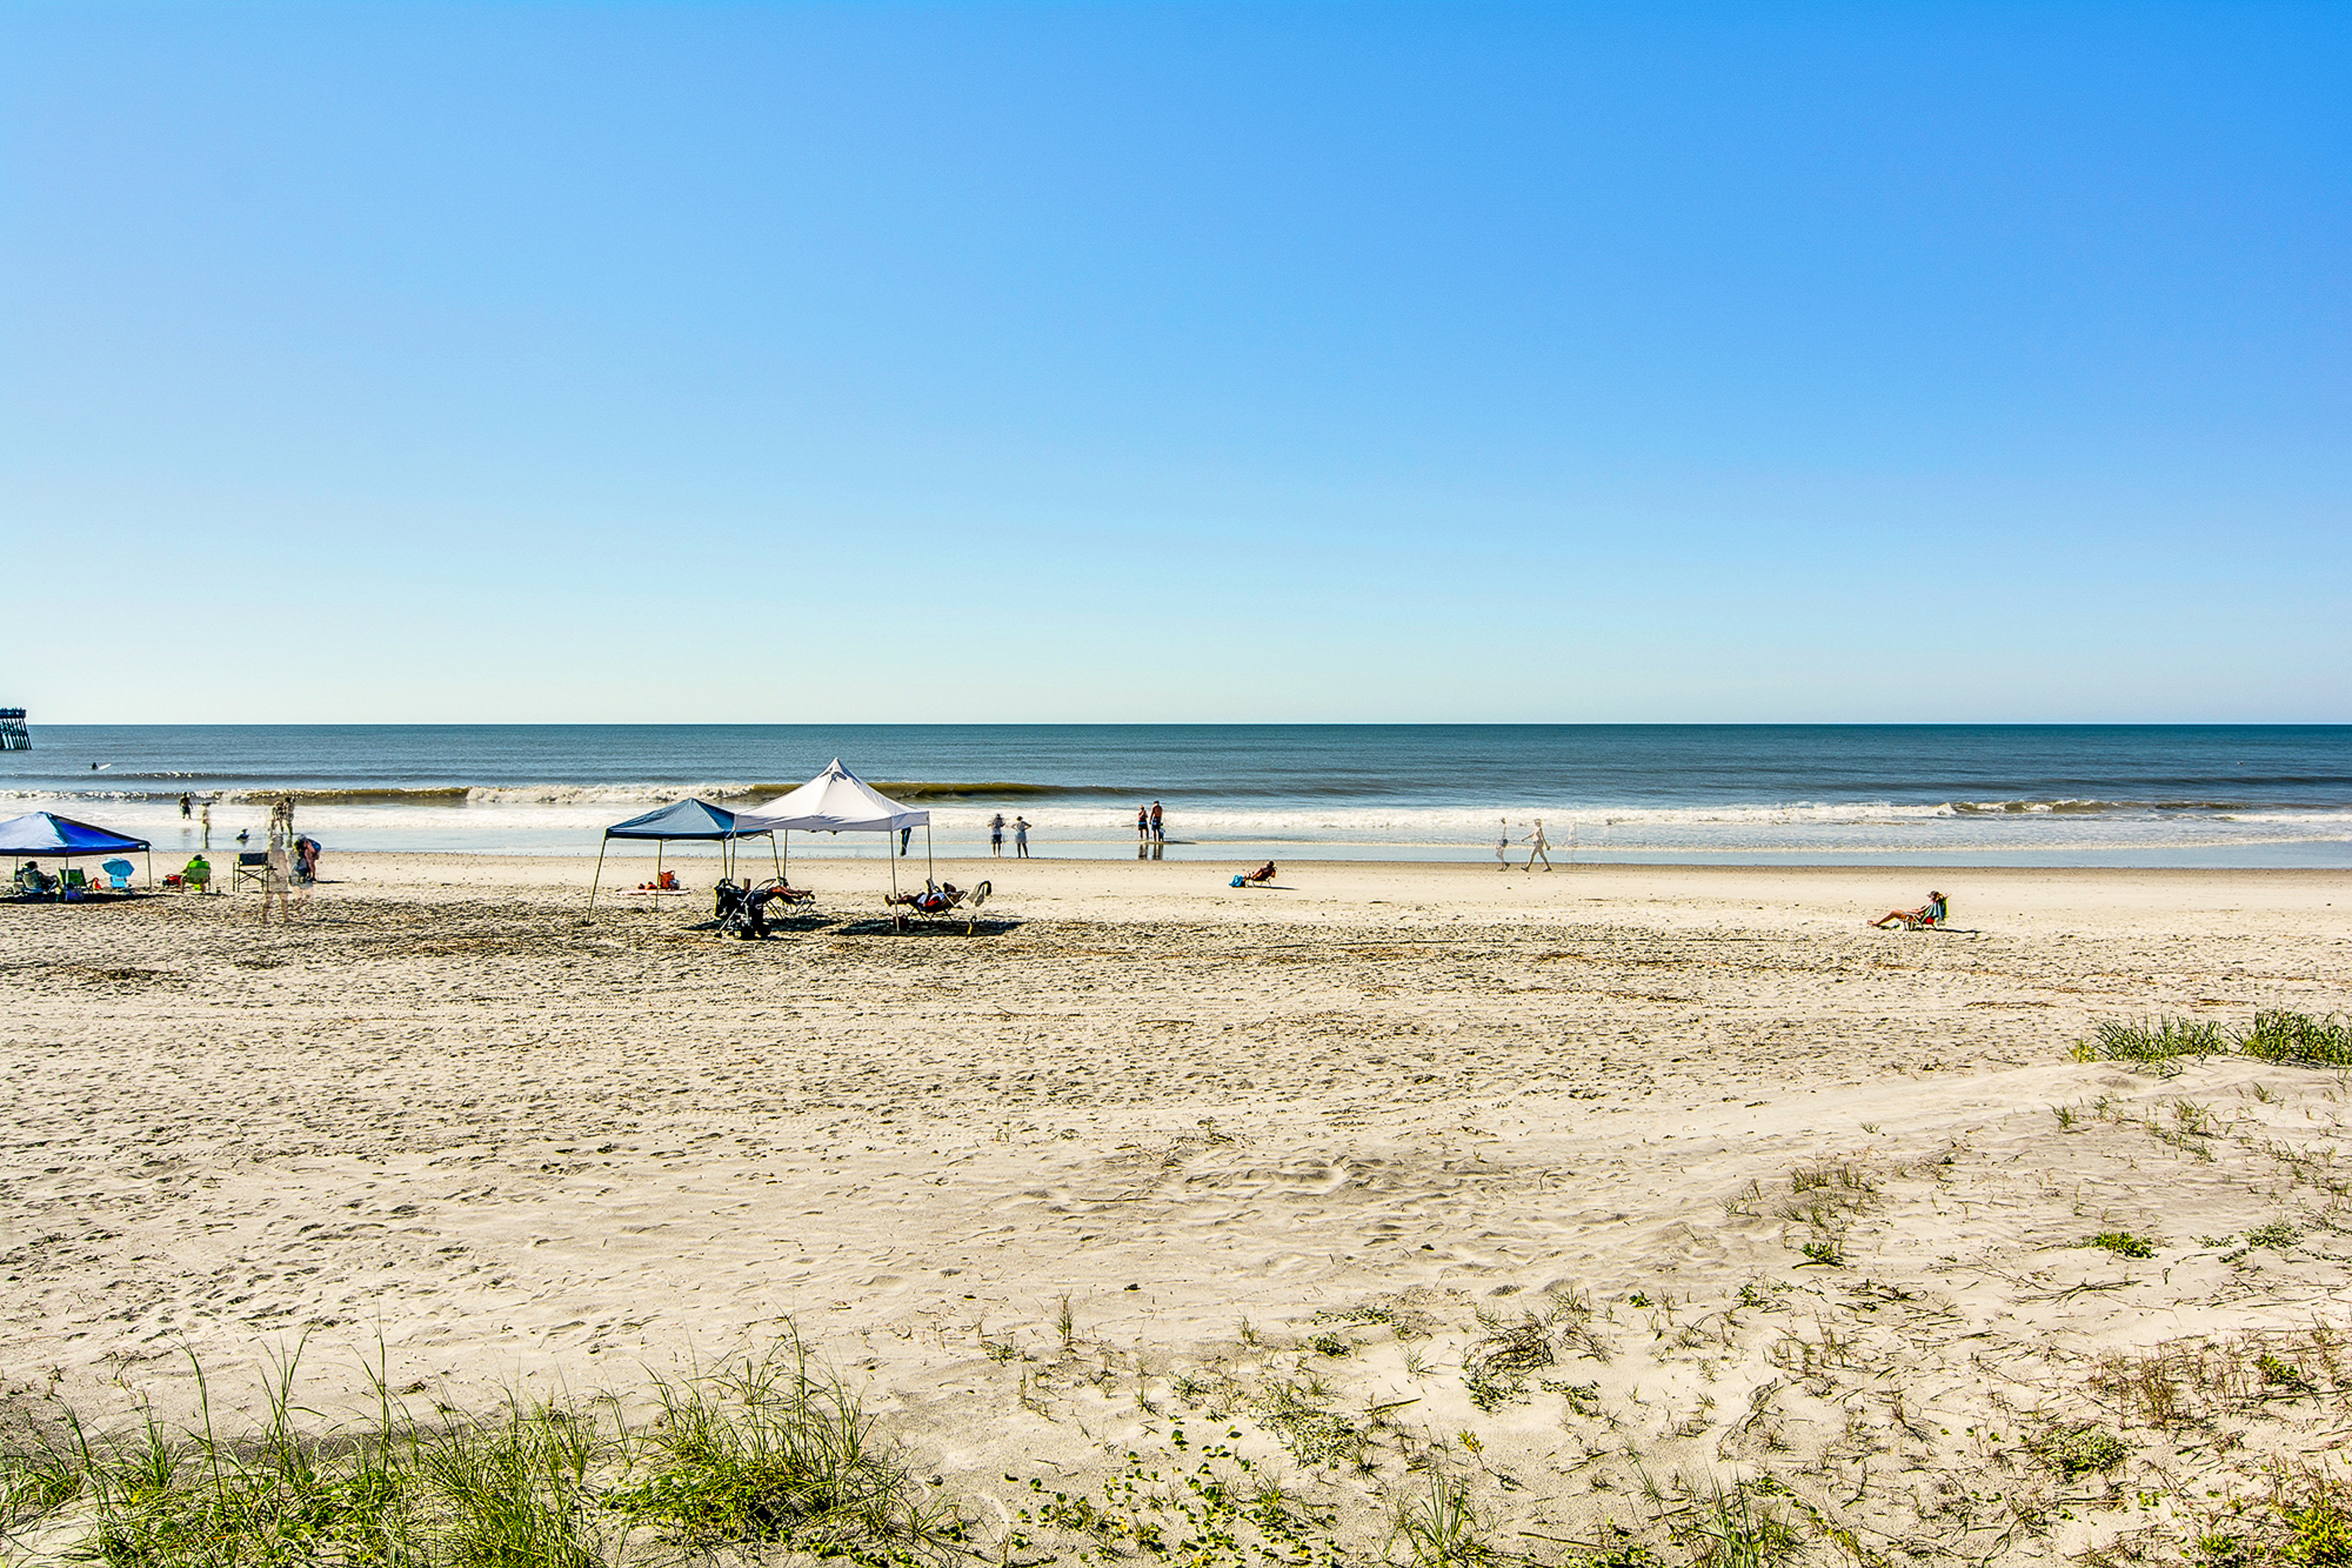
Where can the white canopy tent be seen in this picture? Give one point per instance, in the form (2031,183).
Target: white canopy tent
(838,801)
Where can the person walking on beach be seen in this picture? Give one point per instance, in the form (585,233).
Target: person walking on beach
(996,835)
(1020,838)
(1503,848)
(1159,824)
(1536,846)
(208,825)
(277,878)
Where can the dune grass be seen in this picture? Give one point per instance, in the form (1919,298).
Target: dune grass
(509,1490)
(2296,1038)
(764,1451)
(2278,1035)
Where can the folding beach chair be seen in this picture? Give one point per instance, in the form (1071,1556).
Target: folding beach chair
(253,866)
(939,901)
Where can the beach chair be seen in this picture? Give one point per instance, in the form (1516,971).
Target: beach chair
(938,901)
(1929,916)
(118,874)
(253,866)
(72,885)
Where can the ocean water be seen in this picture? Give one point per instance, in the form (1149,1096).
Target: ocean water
(2091,795)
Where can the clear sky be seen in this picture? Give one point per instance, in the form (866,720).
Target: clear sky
(1169,361)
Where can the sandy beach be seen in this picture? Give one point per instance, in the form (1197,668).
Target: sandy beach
(1346,1135)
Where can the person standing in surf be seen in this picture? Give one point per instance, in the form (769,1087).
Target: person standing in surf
(1159,824)
(996,835)
(1020,838)
(1503,847)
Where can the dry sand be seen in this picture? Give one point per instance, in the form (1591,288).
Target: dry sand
(1406,1104)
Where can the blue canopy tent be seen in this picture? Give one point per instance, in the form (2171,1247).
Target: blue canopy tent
(698,821)
(39,833)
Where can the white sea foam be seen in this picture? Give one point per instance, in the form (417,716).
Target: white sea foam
(563,818)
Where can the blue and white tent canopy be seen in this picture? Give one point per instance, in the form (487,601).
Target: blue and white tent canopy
(46,834)
(684,820)
(835,801)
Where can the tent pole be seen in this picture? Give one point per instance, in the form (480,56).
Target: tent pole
(660,845)
(600,871)
(151,868)
(894,872)
(928,873)
(771,855)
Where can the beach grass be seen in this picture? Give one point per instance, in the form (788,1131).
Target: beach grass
(2279,1035)
(507,1489)
(2299,1039)
(766,1450)
(763,1451)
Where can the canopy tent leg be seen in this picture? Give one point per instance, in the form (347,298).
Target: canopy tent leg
(659,846)
(930,874)
(151,868)
(771,857)
(600,871)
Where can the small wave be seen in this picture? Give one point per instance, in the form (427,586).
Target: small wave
(2078,808)
(919,790)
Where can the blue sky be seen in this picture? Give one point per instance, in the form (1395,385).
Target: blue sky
(1169,361)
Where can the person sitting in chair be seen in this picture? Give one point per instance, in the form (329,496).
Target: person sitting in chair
(32,881)
(1264,873)
(935,898)
(1931,912)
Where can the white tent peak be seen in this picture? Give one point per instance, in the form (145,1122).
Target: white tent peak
(835,801)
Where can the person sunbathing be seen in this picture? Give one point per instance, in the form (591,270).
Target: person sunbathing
(932,900)
(1264,874)
(1931,912)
